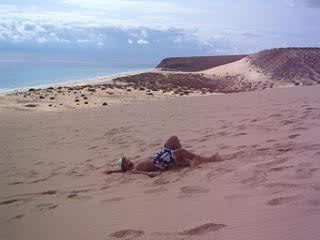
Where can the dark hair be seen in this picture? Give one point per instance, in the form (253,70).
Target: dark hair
(130,166)
(122,168)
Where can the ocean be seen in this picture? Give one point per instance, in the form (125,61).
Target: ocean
(22,75)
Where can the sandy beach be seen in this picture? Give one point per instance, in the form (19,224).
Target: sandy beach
(129,89)
(53,184)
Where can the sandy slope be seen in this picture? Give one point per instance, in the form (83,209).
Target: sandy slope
(295,65)
(244,72)
(241,67)
(53,186)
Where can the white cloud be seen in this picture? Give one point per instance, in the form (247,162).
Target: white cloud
(177,40)
(95,22)
(144,33)
(42,40)
(84,41)
(142,42)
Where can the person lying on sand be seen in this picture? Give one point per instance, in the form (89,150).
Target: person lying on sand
(171,155)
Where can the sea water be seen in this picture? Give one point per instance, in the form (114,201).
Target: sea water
(20,75)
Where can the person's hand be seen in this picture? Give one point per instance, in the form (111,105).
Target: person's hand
(108,172)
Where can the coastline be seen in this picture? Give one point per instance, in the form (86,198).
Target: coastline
(94,80)
(126,88)
(251,73)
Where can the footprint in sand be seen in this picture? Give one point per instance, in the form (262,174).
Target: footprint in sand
(236,196)
(156,190)
(46,206)
(282,200)
(39,180)
(239,134)
(279,169)
(50,192)
(17,217)
(294,136)
(287,122)
(316,187)
(161,181)
(203,229)
(15,183)
(37,163)
(93,147)
(314,202)
(276,115)
(6,202)
(127,234)
(115,199)
(189,191)
(305,172)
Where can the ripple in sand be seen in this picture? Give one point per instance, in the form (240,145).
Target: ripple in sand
(189,191)
(115,199)
(203,229)
(156,190)
(282,200)
(6,202)
(17,217)
(127,234)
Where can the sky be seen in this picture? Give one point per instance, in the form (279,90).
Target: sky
(140,31)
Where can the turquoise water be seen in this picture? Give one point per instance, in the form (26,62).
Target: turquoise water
(15,75)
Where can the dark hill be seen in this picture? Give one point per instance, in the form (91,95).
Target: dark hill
(192,64)
(297,65)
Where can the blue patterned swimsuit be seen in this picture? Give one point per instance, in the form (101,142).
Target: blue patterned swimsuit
(164,159)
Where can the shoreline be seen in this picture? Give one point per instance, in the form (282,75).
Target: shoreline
(128,88)
(79,82)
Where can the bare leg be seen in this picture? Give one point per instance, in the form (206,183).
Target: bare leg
(173,143)
(198,160)
(185,157)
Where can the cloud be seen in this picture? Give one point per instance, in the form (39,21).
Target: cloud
(142,42)
(200,27)
(144,33)
(303,3)
(177,40)
(313,3)
(42,40)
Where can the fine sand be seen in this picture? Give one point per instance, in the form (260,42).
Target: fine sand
(53,184)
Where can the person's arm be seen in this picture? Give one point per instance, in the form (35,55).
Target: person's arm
(113,171)
(150,174)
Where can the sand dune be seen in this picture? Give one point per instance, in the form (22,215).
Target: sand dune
(243,75)
(273,68)
(300,66)
(53,184)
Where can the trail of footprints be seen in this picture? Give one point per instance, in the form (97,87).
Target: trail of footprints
(203,229)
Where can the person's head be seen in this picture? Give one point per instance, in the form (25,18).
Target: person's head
(125,164)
